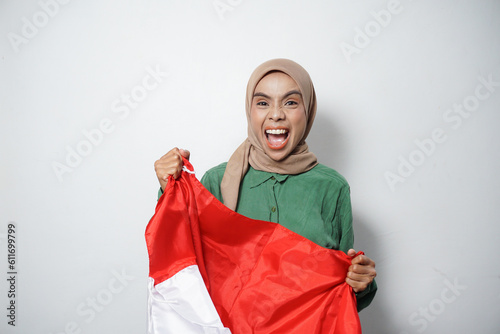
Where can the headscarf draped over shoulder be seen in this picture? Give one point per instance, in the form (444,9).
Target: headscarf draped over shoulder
(250,151)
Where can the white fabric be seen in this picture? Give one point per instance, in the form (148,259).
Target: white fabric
(184,168)
(181,305)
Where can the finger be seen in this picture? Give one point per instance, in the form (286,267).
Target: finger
(351,252)
(363,269)
(363,260)
(365,274)
(360,277)
(356,285)
(185,153)
(174,170)
(170,153)
(359,282)
(167,166)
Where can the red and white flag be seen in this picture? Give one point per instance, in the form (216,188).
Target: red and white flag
(212,270)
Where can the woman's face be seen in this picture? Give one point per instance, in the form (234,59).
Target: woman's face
(277,115)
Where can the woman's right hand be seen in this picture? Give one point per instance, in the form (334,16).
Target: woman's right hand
(170,164)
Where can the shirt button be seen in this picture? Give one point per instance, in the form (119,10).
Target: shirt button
(273,209)
(273,178)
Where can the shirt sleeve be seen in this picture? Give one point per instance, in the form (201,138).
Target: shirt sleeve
(365,297)
(212,180)
(345,218)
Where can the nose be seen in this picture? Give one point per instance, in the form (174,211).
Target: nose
(276,113)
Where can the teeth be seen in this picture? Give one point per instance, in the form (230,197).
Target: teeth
(276,132)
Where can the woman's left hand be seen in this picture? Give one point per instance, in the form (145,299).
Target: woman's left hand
(361,272)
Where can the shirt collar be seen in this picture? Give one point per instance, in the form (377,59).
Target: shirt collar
(256,177)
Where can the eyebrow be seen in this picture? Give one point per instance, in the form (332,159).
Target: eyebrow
(284,96)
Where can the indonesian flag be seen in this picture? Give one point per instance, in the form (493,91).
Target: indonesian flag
(212,270)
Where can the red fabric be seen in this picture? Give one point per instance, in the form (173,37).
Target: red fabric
(262,277)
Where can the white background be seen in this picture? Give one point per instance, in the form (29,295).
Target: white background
(82,227)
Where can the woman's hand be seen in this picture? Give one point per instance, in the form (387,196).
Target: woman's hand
(170,164)
(361,272)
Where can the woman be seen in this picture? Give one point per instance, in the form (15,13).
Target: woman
(272,176)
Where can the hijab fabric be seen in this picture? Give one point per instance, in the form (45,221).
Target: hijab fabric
(250,151)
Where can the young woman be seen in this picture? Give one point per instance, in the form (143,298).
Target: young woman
(272,175)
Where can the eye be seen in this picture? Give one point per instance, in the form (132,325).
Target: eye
(290,103)
(262,103)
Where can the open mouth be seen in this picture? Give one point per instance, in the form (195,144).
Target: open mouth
(277,138)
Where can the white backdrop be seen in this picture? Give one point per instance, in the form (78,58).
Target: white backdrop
(93,92)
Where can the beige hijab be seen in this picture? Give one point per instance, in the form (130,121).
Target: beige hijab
(250,151)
